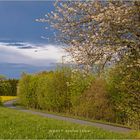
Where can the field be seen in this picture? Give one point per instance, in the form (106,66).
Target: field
(19,125)
(7,98)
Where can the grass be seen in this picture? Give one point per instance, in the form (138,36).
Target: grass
(7,98)
(19,125)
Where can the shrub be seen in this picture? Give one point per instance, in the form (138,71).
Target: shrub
(44,90)
(78,84)
(124,88)
(27,90)
(94,103)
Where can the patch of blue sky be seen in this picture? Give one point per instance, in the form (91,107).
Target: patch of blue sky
(18,21)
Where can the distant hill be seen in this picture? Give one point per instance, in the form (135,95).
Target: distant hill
(13,70)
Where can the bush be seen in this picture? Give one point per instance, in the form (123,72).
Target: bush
(124,89)
(53,94)
(27,90)
(78,84)
(94,103)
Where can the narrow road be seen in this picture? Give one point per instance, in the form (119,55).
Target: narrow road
(9,104)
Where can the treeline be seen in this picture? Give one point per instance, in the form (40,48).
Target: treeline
(113,97)
(53,91)
(8,87)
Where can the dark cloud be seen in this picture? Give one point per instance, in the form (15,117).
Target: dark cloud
(15,44)
(27,47)
(19,45)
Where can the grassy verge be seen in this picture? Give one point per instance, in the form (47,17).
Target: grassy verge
(19,125)
(8,98)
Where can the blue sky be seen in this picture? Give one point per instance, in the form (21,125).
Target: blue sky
(20,34)
(18,23)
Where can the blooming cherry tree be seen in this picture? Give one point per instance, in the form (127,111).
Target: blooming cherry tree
(96,32)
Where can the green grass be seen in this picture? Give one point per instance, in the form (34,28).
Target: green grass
(19,125)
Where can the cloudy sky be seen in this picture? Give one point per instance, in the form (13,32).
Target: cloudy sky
(22,38)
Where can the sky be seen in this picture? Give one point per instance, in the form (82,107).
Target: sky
(22,38)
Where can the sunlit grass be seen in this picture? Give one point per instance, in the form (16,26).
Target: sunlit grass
(19,125)
(8,98)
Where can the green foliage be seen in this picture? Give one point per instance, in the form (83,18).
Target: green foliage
(27,88)
(124,88)
(4,88)
(94,103)
(114,97)
(53,91)
(53,94)
(8,87)
(47,90)
(13,86)
(78,84)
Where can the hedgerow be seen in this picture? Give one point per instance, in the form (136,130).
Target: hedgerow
(54,91)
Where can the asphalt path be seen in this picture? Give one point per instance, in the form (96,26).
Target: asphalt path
(9,104)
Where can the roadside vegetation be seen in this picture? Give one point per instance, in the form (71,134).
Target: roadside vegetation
(73,92)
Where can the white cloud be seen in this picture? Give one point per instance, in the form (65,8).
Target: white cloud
(37,55)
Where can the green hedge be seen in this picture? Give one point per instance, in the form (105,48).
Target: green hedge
(54,91)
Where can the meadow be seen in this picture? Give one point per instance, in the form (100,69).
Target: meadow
(19,125)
